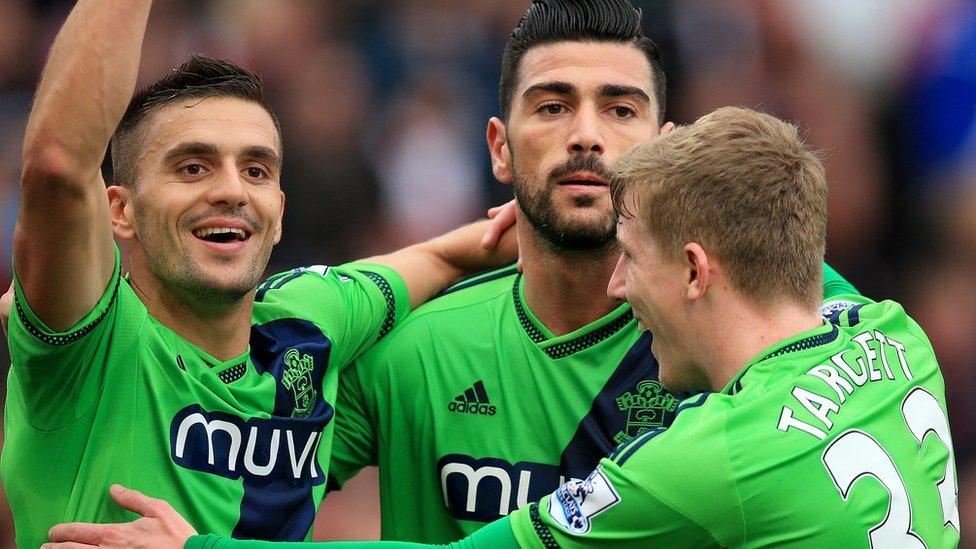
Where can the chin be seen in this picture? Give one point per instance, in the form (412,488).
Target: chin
(238,282)
(221,284)
(587,209)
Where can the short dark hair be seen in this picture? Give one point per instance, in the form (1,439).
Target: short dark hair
(199,77)
(549,21)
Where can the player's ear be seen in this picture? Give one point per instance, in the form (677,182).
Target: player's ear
(281,217)
(501,156)
(122,212)
(667,128)
(697,274)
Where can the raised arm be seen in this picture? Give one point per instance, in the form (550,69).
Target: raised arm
(63,251)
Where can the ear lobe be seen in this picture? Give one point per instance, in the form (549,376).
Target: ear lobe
(280,220)
(698,278)
(501,157)
(120,208)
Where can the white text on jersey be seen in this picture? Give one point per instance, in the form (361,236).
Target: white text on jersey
(843,376)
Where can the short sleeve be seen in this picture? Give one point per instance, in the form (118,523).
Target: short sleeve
(355,304)
(609,508)
(58,373)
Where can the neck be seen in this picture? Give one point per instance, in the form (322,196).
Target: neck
(747,330)
(222,329)
(565,290)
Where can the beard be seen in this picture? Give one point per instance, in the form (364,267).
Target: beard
(175,266)
(562,229)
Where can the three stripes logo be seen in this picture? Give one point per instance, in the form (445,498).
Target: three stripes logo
(474,400)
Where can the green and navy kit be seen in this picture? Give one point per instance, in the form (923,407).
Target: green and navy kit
(239,447)
(471,408)
(837,437)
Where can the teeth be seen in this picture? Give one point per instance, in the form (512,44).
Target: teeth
(207,231)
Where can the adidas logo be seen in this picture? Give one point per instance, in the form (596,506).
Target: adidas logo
(474,400)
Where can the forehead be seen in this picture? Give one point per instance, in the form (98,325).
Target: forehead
(632,234)
(587,65)
(628,230)
(230,123)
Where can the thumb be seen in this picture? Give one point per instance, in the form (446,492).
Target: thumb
(134,500)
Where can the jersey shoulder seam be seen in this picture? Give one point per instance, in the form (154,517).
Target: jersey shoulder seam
(442,304)
(277,280)
(480,278)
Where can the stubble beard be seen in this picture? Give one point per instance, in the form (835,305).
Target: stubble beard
(176,268)
(561,230)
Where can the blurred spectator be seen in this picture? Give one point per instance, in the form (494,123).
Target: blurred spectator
(945,305)
(746,52)
(328,178)
(426,166)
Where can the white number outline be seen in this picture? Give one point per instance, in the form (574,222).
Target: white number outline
(948,485)
(838,454)
(923,420)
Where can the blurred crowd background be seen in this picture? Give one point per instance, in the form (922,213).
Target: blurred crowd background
(384,105)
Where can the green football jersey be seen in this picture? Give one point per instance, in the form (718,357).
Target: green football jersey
(837,437)
(239,447)
(472,408)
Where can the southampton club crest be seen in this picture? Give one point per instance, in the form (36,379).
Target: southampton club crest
(298,378)
(646,409)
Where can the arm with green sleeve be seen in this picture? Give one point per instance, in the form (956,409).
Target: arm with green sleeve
(615,506)
(429,267)
(497,535)
(645,494)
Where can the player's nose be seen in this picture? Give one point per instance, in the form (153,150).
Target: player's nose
(616,289)
(586,137)
(228,188)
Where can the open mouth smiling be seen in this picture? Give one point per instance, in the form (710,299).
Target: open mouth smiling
(222,235)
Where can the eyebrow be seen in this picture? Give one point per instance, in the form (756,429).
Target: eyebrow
(194,148)
(620,90)
(262,154)
(561,88)
(259,153)
(606,90)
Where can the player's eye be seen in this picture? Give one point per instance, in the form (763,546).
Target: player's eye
(552,109)
(623,112)
(193,169)
(256,173)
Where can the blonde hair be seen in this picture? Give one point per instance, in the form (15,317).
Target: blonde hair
(744,186)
